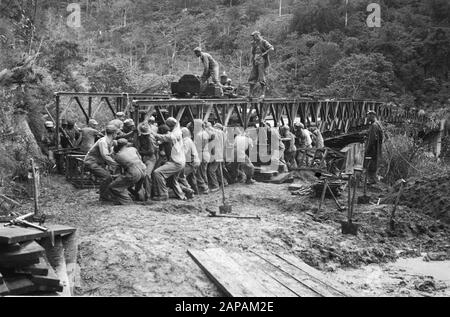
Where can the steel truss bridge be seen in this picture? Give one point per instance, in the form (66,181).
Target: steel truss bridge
(334,118)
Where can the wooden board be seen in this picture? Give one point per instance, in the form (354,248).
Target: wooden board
(229,276)
(265,274)
(47,288)
(14,234)
(10,247)
(318,275)
(51,279)
(40,268)
(282,278)
(3,289)
(29,253)
(19,285)
(309,277)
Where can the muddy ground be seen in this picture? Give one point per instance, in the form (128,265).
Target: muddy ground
(141,250)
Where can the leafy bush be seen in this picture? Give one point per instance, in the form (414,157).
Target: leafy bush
(405,156)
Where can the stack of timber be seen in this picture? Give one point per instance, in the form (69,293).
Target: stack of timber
(263,274)
(33,263)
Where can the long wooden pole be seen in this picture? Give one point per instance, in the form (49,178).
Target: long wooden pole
(35,189)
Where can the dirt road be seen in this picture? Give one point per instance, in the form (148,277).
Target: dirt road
(141,250)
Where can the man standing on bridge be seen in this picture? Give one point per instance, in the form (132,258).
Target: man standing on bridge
(260,63)
(210,68)
(373,147)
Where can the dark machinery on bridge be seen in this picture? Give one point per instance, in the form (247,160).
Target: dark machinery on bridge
(189,86)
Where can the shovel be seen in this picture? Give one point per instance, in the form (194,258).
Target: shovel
(224,209)
(364,200)
(349,227)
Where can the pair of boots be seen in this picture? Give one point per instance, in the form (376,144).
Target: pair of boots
(252,89)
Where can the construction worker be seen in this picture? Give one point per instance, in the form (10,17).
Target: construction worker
(129,131)
(318,143)
(260,63)
(242,145)
(64,138)
(118,121)
(72,133)
(152,124)
(210,68)
(373,147)
(174,166)
(277,151)
(48,140)
(304,142)
(89,135)
(216,147)
(133,174)
(201,140)
(288,139)
(187,178)
(147,148)
(99,158)
(317,138)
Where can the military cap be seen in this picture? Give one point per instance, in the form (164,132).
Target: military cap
(299,125)
(93,121)
(120,114)
(255,33)
(197,49)
(49,124)
(218,126)
(110,129)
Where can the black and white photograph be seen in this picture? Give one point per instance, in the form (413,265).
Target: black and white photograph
(205,150)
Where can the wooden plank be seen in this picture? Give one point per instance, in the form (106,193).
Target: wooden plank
(284,279)
(51,279)
(231,278)
(29,252)
(301,276)
(10,247)
(40,268)
(50,288)
(262,276)
(318,275)
(14,234)
(19,285)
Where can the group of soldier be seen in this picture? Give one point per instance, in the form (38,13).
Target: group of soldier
(142,163)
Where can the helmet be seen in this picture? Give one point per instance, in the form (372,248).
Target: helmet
(120,114)
(49,124)
(197,49)
(128,122)
(171,122)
